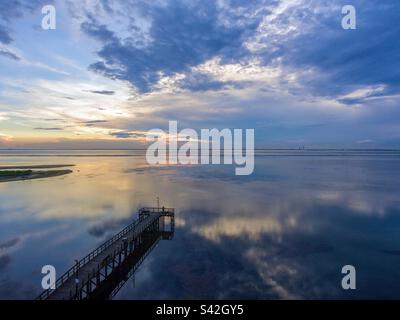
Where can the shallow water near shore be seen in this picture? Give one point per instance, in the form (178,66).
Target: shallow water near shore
(283,232)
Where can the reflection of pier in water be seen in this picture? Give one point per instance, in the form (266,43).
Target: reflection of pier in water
(103,272)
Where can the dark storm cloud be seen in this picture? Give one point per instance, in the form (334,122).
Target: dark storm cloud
(346,59)
(203,82)
(183,35)
(100,32)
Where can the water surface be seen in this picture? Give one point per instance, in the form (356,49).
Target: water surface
(283,232)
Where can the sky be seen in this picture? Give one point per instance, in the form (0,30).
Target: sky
(112,70)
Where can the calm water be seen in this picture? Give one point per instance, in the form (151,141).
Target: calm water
(284,232)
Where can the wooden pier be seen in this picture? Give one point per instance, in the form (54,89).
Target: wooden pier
(102,273)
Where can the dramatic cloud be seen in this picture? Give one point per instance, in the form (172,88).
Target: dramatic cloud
(283,67)
(183,34)
(339,61)
(303,37)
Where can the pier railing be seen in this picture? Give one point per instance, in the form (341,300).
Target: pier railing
(73,270)
(157,210)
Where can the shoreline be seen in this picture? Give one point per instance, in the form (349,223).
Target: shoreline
(49,166)
(35,175)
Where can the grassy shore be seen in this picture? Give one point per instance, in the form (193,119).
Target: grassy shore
(12,173)
(17,175)
(42,166)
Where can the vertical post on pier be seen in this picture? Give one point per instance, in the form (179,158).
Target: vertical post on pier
(88,284)
(124,247)
(98,275)
(76,289)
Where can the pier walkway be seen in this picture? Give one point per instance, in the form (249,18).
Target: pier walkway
(103,271)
